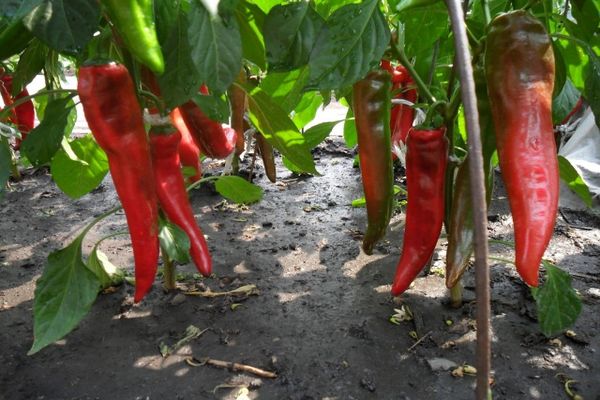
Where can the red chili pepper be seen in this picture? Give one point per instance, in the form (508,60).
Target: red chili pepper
(172,195)
(402,116)
(24,114)
(519,65)
(214,140)
(426,159)
(114,115)
(189,152)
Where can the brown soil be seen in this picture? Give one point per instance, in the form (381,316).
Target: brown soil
(320,321)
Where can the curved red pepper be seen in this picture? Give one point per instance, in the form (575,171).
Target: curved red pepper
(114,115)
(520,79)
(189,152)
(401,116)
(24,114)
(172,194)
(214,140)
(426,160)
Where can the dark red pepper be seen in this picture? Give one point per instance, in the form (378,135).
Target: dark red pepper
(111,108)
(426,160)
(172,195)
(189,152)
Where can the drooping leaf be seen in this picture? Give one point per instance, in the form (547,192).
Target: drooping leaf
(250,19)
(80,176)
(30,64)
(65,25)
(238,190)
(180,80)
(306,110)
(44,140)
(571,177)
(279,130)
(350,134)
(215,107)
(175,242)
(291,31)
(266,5)
(63,295)
(557,302)
(313,136)
(216,47)
(351,44)
(565,102)
(286,88)
(106,272)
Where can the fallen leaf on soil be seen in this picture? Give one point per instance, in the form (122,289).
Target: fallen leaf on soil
(191,332)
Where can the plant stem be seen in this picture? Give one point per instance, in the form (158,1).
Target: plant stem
(478,199)
(487,15)
(456,292)
(15,170)
(168,272)
(98,219)
(423,89)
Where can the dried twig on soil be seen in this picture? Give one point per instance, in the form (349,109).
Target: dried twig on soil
(246,290)
(415,344)
(232,366)
(191,332)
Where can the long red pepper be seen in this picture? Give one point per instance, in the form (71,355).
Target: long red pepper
(114,115)
(189,152)
(519,65)
(371,105)
(172,195)
(426,160)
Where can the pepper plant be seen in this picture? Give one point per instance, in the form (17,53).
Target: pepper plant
(218,73)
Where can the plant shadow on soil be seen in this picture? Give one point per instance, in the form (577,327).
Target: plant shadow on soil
(320,321)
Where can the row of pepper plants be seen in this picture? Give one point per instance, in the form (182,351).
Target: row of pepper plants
(165,84)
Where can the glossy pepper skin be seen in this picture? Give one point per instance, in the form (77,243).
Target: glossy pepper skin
(519,66)
(371,106)
(134,20)
(426,160)
(461,232)
(14,38)
(172,195)
(213,139)
(114,115)
(24,113)
(402,116)
(189,152)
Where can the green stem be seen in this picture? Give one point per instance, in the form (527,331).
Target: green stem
(487,15)
(431,112)
(98,219)
(502,260)
(423,89)
(199,182)
(456,295)
(169,276)
(16,103)
(157,101)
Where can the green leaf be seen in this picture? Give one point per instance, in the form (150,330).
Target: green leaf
(279,130)
(44,140)
(180,80)
(557,302)
(350,134)
(106,272)
(238,189)
(216,47)
(350,45)
(291,31)
(306,110)
(571,177)
(65,25)
(286,88)
(265,5)
(575,60)
(327,7)
(175,242)
(564,103)
(5,163)
(63,295)
(30,64)
(587,15)
(214,106)
(313,136)
(591,91)
(250,19)
(78,177)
